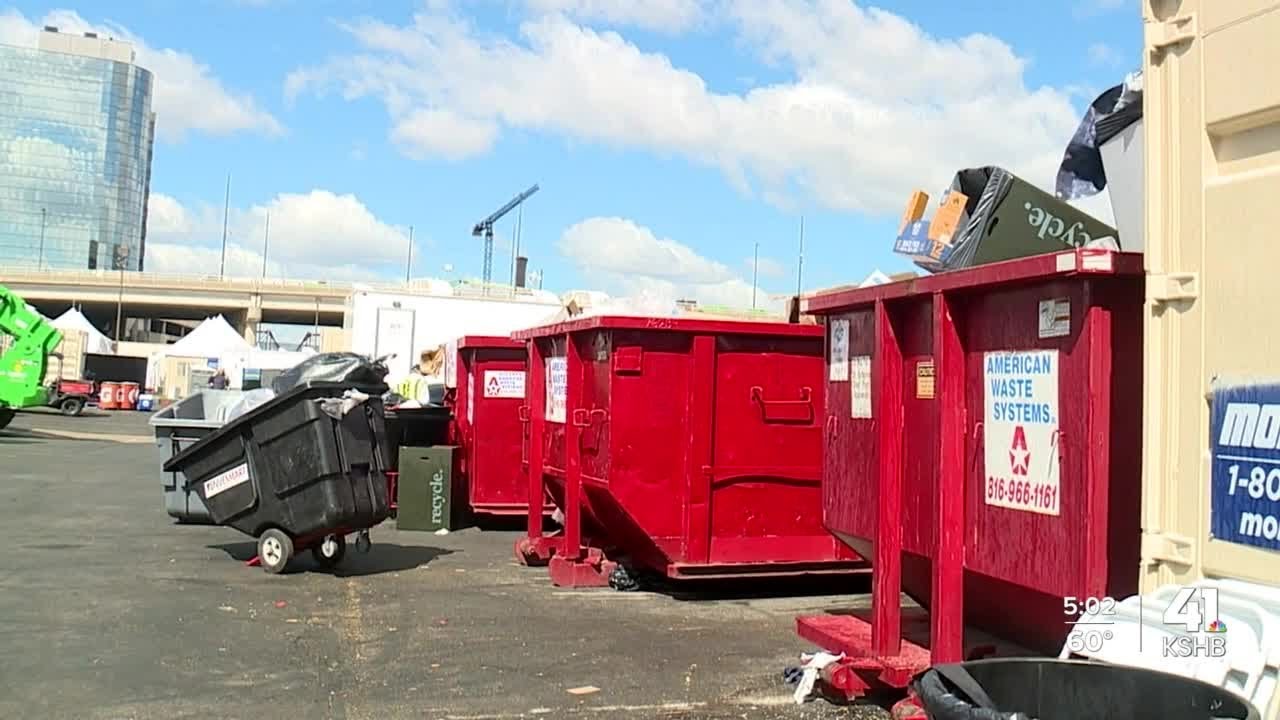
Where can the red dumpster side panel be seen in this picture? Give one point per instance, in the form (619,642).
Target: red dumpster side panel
(699,445)
(487,414)
(1076,534)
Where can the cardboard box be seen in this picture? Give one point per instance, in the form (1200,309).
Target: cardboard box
(946,221)
(916,205)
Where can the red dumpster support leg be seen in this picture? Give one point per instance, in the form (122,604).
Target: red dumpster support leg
(535,548)
(886,589)
(576,565)
(946,628)
(878,655)
(697,511)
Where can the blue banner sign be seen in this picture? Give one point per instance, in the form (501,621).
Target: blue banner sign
(1244,432)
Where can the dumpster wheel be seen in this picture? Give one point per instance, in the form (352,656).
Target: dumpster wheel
(330,551)
(275,548)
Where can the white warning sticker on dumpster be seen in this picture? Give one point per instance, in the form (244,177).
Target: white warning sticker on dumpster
(1020,430)
(557,388)
(839,370)
(860,389)
(503,384)
(237,475)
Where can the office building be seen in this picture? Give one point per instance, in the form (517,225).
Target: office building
(76,132)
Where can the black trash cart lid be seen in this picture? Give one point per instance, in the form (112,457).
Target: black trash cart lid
(312,389)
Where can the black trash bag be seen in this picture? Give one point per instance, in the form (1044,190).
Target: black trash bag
(1051,689)
(342,367)
(1081,173)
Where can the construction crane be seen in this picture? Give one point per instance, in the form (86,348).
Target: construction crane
(485,228)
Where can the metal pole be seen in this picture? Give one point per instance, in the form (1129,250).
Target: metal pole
(408,263)
(120,299)
(266,238)
(800,262)
(755,272)
(43,216)
(515,242)
(226,211)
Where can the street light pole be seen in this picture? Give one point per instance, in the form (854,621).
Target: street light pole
(226,211)
(44,214)
(266,237)
(408,263)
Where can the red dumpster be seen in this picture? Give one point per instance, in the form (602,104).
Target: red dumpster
(984,434)
(489,418)
(687,448)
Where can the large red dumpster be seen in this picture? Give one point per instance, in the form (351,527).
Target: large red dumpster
(488,423)
(688,448)
(984,434)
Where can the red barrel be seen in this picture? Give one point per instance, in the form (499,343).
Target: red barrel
(984,450)
(691,447)
(128,396)
(490,419)
(109,396)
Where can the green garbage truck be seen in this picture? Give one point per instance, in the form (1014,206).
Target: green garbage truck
(23,365)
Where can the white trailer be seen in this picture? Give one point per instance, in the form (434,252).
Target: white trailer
(382,323)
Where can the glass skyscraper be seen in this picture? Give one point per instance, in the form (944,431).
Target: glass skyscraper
(76,133)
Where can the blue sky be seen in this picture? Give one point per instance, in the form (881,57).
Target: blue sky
(668,137)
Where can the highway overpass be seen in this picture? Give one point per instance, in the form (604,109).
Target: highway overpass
(246,303)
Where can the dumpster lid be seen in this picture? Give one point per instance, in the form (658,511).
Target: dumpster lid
(467,342)
(1072,263)
(668,324)
(176,463)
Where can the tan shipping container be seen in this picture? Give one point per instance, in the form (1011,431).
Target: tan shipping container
(1210,567)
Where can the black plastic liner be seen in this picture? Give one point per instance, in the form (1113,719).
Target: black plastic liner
(1047,689)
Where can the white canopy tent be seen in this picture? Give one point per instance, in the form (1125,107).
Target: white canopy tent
(97,343)
(213,339)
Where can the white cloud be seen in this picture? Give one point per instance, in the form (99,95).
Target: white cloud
(668,16)
(444,133)
(766,267)
(188,96)
(315,235)
(627,259)
(875,107)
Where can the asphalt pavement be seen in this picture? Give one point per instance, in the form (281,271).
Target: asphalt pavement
(110,610)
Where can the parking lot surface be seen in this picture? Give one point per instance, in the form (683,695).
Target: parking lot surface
(110,610)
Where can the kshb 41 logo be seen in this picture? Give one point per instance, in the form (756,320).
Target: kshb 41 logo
(1195,610)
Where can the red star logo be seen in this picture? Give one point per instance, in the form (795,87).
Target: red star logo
(1019,456)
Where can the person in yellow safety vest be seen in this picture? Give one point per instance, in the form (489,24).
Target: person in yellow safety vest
(427,372)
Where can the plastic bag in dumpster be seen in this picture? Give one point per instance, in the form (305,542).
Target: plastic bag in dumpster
(247,402)
(1025,688)
(337,407)
(341,367)
(1004,218)
(1082,173)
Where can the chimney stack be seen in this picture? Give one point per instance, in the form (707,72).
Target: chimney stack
(522,264)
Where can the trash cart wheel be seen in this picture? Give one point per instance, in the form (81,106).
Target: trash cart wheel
(330,551)
(274,551)
(363,543)
(71,406)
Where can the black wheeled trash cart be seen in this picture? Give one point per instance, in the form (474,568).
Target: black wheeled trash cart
(302,471)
